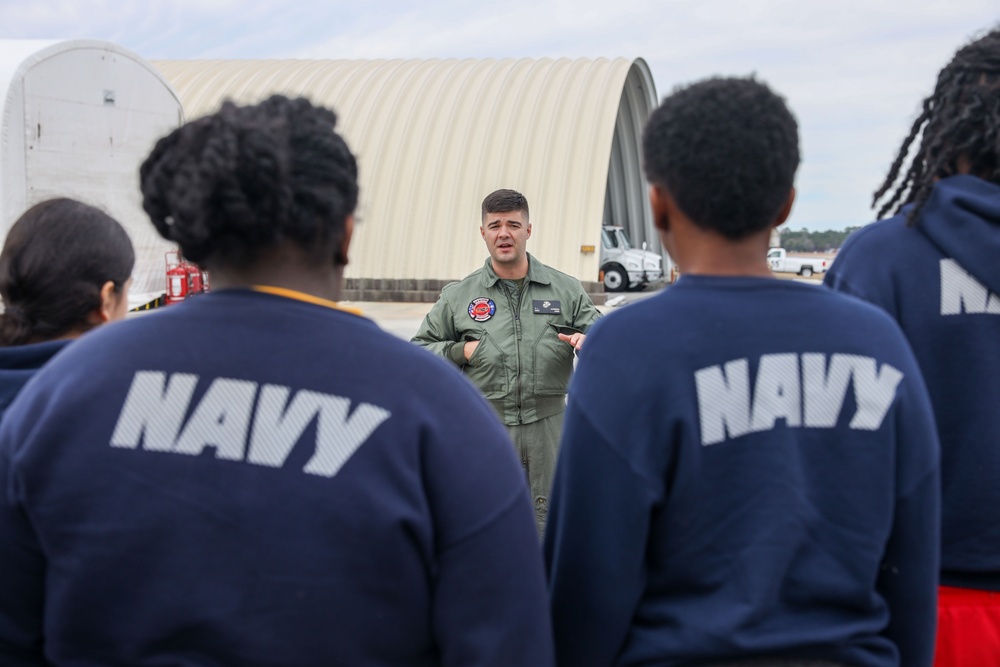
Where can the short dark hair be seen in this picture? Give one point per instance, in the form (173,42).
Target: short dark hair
(727,150)
(227,186)
(959,120)
(505,201)
(55,260)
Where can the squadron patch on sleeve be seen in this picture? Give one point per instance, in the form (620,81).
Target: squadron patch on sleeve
(482,309)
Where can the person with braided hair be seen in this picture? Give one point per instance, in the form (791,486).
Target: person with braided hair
(261,476)
(65,268)
(934,265)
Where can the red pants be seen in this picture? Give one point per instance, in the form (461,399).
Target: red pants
(968,632)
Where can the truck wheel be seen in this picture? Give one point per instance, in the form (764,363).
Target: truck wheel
(615,278)
(806,271)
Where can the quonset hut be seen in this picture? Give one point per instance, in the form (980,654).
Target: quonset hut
(78,118)
(433,137)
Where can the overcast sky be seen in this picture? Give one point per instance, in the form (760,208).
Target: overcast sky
(853,71)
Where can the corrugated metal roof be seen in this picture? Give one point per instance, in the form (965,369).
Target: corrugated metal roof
(433,137)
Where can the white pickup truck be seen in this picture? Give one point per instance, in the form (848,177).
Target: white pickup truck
(780,262)
(624,267)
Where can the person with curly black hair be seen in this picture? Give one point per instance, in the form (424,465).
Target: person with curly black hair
(934,266)
(260,476)
(65,268)
(753,492)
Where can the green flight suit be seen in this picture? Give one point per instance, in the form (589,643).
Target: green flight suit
(520,365)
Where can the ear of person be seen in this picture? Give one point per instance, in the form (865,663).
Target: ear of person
(109,300)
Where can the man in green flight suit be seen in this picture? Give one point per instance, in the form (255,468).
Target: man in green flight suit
(513,326)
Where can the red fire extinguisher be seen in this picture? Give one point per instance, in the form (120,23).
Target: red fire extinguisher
(183,278)
(177,284)
(194,283)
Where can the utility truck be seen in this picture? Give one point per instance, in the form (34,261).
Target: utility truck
(780,262)
(624,267)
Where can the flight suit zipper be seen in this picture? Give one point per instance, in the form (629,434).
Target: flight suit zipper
(516,309)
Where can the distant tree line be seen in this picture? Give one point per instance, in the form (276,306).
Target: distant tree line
(803,240)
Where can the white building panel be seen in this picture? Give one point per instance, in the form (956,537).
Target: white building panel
(79,117)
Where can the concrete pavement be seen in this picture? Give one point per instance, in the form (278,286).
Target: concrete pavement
(403,319)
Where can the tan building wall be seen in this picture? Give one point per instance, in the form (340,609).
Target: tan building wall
(433,137)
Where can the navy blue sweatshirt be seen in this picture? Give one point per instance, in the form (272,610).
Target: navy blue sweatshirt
(19,363)
(940,279)
(748,469)
(248,479)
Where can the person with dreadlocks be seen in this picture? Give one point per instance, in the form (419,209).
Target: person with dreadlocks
(934,265)
(260,476)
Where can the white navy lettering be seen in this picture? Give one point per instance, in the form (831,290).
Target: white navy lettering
(155,407)
(220,420)
(825,390)
(776,392)
(277,429)
(723,401)
(802,390)
(156,404)
(961,293)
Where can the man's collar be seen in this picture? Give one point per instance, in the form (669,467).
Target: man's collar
(537,272)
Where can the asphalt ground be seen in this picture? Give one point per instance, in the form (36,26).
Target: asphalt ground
(403,319)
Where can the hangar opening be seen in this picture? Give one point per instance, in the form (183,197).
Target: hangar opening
(625,201)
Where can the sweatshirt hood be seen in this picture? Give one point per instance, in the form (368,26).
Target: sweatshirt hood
(19,362)
(962,218)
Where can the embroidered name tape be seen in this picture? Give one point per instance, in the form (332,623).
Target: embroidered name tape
(546,307)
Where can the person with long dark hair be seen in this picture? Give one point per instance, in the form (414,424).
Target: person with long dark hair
(65,268)
(261,476)
(934,265)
